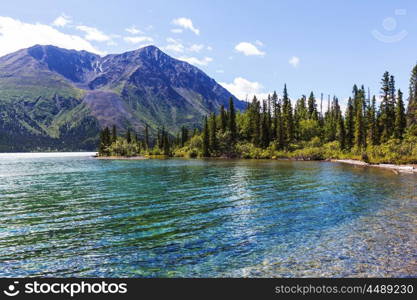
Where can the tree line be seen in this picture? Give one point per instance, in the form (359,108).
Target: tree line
(275,127)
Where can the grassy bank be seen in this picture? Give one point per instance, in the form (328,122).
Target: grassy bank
(392,152)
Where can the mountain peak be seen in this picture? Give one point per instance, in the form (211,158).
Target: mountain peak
(63,94)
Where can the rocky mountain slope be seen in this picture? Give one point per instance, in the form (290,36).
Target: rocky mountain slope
(58,99)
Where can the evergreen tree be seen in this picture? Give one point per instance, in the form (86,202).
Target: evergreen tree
(184,135)
(341,136)
(223,119)
(146,141)
(350,127)
(372,128)
(387,109)
(232,121)
(274,129)
(400,118)
(359,133)
(166,145)
(105,141)
(312,107)
(129,136)
(412,100)
(264,139)
(280,142)
(287,117)
(114,134)
(102,145)
(300,114)
(331,120)
(255,122)
(206,139)
(213,131)
(160,141)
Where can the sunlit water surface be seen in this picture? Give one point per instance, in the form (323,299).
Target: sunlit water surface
(73,215)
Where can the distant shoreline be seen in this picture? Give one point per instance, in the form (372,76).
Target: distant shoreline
(393,167)
(121,157)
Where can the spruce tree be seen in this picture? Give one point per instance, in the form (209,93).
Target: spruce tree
(166,143)
(312,107)
(223,119)
(213,132)
(114,134)
(287,116)
(129,136)
(387,108)
(102,145)
(372,128)
(280,129)
(255,122)
(232,121)
(341,135)
(264,139)
(184,135)
(274,126)
(400,119)
(359,123)
(412,100)
(105,141)
(350,127)
(161,138)
(146,136)
(206,139)
(300,114)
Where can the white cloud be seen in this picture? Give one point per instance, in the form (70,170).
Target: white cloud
(93,34)
(259,43)
(16,35)
(174,45)
(186,24)
(62,21)
(196,47)
(176,30)
(220,71)
(209,48)
(175,48)
(137,39)
(133,30)
(244,89)
(248,49)
(196,61)
(294,61)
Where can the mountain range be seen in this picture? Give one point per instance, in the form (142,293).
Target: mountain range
(58,99)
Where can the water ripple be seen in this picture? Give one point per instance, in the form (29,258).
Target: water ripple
(77,216)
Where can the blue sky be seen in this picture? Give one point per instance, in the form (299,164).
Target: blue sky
(248,46)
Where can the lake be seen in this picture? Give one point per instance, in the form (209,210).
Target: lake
(72,215)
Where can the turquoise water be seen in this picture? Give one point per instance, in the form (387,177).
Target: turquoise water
(79,216)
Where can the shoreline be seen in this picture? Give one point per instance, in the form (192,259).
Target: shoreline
(395,168)
(121,157)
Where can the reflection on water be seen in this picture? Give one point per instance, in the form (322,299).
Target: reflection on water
(78,216)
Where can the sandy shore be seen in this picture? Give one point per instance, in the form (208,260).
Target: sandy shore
(397,168)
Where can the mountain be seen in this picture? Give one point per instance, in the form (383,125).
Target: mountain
(58,99)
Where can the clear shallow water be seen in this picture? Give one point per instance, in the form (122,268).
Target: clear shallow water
(78,216)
